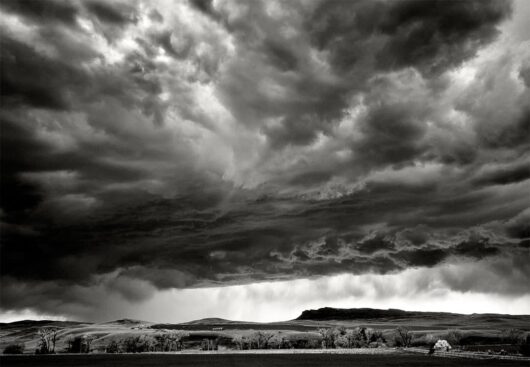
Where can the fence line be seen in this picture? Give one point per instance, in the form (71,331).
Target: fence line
(466,354)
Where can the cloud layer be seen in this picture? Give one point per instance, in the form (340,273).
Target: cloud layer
(156,145)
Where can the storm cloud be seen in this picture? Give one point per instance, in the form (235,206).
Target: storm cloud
(147,146)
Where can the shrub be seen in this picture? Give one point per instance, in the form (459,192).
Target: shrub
(14,349)
(422,340)
(513,336)
(377,345)
(525,346)
(402,337)
(374,336)
(312,343)
(453,337)
(341,341)
(358,337)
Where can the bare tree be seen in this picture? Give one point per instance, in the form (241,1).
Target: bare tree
(328,337)
(351,337)
(239,341)
(254,340)
(209,344)
(403,336)
(278,341)
(169,340)
(263,339)
(70,341)
(161,342)
(259,340)
(175,339)
(47,339)
(88,339)
(454,337)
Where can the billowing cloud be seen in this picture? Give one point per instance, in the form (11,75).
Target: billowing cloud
(152,146)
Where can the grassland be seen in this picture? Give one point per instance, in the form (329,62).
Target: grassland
(244,360)
(479,333)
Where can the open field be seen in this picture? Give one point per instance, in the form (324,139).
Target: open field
(244,360)
(477,332)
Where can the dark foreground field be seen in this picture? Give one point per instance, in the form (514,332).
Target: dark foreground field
(264,360)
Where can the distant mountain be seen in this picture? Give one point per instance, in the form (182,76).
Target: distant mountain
(329,313)
(39,324)
(210,321)
(127,322)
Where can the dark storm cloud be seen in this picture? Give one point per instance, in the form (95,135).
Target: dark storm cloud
(300,100)
(149,147)
(519,226)
(423,257)
(205,6)
(477,249)
(392,134)
(112,12)
(505,175)
(29,78)
(16,144)
(524,73)
(43,11)
(428,35)
(376,243)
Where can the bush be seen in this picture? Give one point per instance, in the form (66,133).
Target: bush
(525,346)
(377,345)
(513,336)
(402,337)
(14,349)
(423,340)
(341,341)
(374,336)
(453,337)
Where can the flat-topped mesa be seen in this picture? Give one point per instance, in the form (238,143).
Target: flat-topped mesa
(329,313)
(126,322)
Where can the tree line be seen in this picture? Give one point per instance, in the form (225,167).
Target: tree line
(325,338)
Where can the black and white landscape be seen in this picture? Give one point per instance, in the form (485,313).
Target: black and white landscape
(177,160)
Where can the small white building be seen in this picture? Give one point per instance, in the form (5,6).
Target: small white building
(442,346)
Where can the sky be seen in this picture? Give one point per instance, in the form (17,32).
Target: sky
(174,160)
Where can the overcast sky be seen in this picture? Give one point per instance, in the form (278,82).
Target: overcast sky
(172,160)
